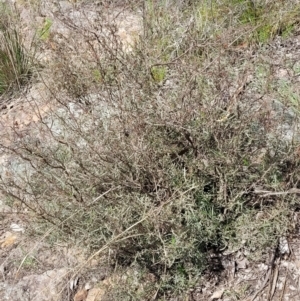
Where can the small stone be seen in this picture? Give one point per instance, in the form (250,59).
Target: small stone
(81,295)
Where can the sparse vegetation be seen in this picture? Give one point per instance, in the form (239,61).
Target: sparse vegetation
(15,62)
(44,31)
(173,154)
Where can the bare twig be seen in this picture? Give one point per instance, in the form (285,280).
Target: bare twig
(274,281)
(266,193)
(267,277)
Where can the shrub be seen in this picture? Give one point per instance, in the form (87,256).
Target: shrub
(161,164)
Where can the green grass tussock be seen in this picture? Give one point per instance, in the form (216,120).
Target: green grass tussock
(15,62)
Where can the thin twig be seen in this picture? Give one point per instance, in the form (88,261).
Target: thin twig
(267,278)
(274,281)
(266,193)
